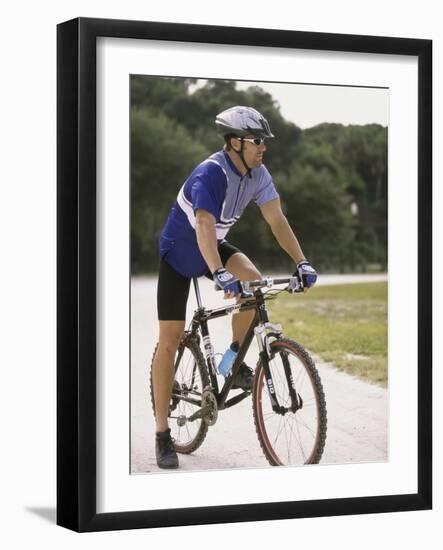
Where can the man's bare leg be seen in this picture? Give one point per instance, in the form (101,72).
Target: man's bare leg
(242,267)
(170,335)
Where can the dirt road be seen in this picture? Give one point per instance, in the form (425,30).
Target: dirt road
(357,411)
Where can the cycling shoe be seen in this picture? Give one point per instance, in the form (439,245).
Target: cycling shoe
(243,379)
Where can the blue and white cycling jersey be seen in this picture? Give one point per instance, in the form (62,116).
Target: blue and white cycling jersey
(217,186)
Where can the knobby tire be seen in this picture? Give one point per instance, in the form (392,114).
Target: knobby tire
(308,429)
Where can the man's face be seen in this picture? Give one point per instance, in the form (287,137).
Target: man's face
(252,153)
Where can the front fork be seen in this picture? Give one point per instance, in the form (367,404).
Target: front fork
(265,334)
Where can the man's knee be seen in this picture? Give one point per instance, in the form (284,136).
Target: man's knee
(242,267)
(252,274)
(169,339)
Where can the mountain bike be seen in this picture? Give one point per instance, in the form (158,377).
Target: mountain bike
(288,400)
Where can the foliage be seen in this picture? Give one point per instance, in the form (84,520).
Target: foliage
(319,173)
(162,153)
(345,325)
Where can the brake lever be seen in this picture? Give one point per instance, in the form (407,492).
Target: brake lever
(246,292)
(297,288)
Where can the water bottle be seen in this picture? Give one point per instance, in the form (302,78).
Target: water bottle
(228,359)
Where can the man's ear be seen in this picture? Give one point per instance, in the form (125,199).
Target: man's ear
(235,147)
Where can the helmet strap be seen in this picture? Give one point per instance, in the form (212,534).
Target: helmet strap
(240,154)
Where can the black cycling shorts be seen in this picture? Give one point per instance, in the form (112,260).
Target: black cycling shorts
(173,288)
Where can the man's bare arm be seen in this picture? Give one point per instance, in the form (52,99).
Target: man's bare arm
(207,239)
(281,229)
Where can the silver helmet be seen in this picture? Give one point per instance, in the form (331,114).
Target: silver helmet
(243,121)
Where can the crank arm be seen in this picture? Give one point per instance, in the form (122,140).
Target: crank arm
(199,414)
(181,397)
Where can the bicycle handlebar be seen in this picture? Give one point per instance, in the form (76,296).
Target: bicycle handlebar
(270,282)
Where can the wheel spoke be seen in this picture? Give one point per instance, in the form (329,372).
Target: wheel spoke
(281,425)
(311,430)
(290,442)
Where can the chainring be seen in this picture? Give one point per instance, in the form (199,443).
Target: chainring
(210,402)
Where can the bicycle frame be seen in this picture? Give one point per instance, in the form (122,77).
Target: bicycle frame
(261,328)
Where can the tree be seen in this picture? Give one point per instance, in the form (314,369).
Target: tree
(319,172)
(163,154)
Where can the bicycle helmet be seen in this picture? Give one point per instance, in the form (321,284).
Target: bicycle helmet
(240,122)
(243,121)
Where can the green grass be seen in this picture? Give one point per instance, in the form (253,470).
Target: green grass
(345,325)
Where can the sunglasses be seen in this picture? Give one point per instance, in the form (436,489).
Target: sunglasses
(255,141)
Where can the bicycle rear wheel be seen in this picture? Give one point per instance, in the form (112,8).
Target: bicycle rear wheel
(286,437)
(191,377)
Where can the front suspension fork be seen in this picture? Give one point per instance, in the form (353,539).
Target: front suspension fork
(265,356)
(262,335)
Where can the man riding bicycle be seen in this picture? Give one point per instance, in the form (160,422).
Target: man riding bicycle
(192,243)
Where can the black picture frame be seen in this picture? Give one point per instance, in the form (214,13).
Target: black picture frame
(76,277)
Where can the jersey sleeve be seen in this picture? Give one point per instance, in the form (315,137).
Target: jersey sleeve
(265,190)
(208,189)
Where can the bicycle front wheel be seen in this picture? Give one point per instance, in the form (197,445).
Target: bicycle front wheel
(290,437)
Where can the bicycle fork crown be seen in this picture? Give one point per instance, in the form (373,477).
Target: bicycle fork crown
(269,329)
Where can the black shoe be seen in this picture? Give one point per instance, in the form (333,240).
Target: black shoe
(165,450)
(243,379)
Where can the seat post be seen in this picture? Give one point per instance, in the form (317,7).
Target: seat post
(197,291)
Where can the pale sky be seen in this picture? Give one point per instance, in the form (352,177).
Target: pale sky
(307,105)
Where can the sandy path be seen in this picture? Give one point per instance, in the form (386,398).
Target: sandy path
(357,411)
